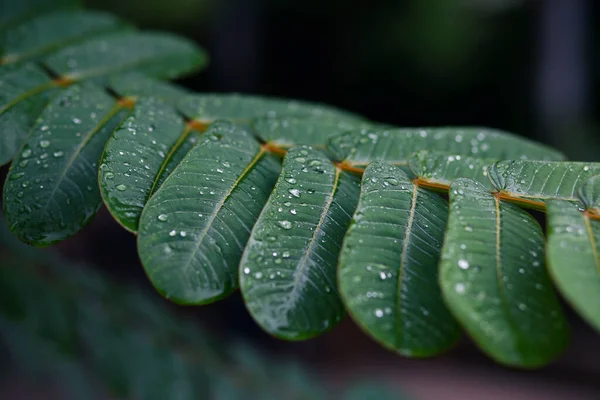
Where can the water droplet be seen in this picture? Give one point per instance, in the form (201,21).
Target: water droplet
(163,217)
(121,188)
(463,264)
(173,233)
(109,175)
(23,163)
(291,180)
(522,307)
(76,121)
(246,270)
(58,154)
(44,143)
(285,224)
(300,159)
(311,191)
(26,153)
(285,254)
(258,275)
(379,313)
(294,192)
(183,233)
(469,228)
(459,288)
(293,211)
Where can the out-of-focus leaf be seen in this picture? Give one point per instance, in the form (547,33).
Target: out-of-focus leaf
(49,32)
(156,54)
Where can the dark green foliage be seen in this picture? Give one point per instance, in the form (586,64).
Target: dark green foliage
(197,176)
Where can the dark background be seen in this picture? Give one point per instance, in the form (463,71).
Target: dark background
(526,66)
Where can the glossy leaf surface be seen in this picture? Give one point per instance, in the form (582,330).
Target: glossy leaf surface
(139,156)
(494,280)
(245,108)
(388,273)
(194,228)
(574,257)
(288,271)
(286,132)
(51,191)
(538,181)
(439,170)
(359,148)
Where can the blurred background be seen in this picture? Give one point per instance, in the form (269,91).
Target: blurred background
(526,66)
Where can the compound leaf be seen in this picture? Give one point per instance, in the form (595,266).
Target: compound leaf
(139,156)
(194,228)
(388,274)
(494,280)
(288,270)
(359,148)
(51,191)
(574,257)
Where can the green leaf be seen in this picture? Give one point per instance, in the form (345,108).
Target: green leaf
(388,274)
(494,280)
(23,95)
(589,194)
(160,55)
(49,32)
(286,132)
(51,191)
(194,228)
(532,182)
(574,257)
(439,169)
(243,109)
(359,148)
(135,84)
(139,156)
(14,11)
(288,269)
